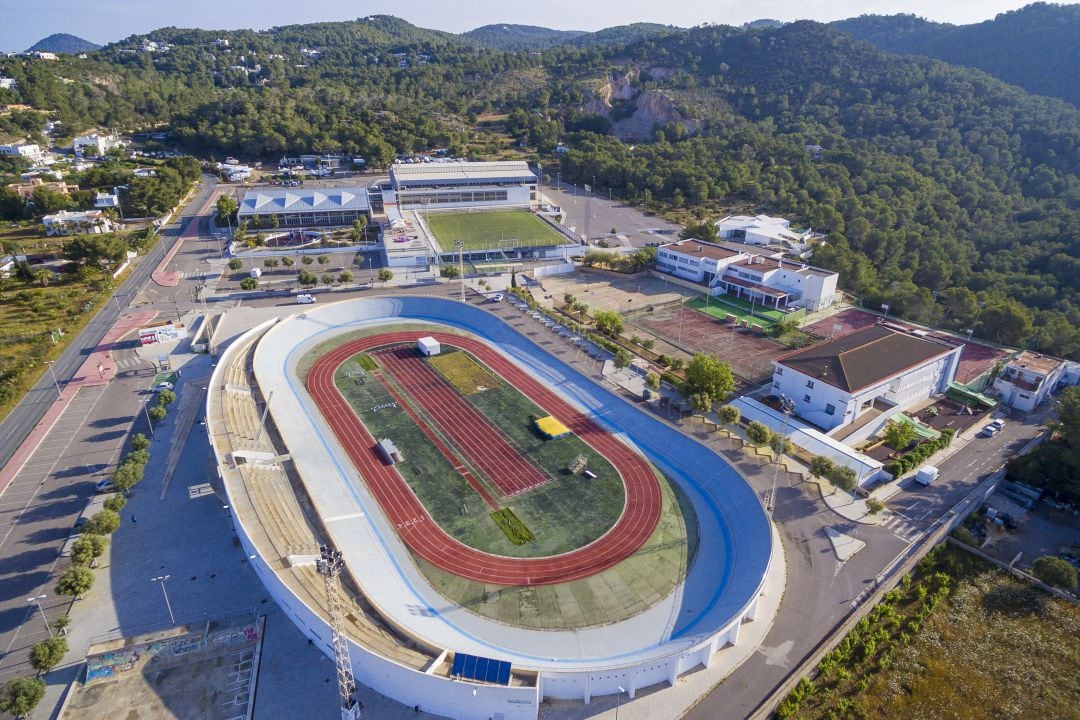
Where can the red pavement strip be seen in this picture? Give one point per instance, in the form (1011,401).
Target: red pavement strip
(87,375)
(484,446)
(171,278)
(423,536)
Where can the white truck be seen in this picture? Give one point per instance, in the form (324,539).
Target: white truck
(926,475)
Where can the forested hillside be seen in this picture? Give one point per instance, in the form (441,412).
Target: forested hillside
(519,37)
(63,43)
(1036,47)
(944,192)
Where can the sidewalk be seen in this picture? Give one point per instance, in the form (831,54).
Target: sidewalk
(171,278)
(97,369)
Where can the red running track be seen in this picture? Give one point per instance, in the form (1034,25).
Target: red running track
(423,536)
(481,442)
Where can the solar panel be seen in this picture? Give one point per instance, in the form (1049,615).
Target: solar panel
(471,667)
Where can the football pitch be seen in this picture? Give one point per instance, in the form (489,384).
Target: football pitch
(491,230)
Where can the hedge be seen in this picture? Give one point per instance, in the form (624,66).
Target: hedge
(916,457)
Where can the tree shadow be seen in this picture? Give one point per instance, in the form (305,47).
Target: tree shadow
(107,436)
(110,422)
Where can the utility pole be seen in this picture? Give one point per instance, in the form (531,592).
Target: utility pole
(588,213)
(329,565)
(460,245)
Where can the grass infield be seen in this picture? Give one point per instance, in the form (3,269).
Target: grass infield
(562,515)
(512,526)
(492,230)
(464,373)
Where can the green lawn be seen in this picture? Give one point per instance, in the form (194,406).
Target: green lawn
(566,513)
(491,230)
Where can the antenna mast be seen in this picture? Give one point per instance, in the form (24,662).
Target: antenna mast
(329,566)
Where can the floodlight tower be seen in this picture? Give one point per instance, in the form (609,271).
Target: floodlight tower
(329,566)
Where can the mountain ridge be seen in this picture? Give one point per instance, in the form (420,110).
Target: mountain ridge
(63,43)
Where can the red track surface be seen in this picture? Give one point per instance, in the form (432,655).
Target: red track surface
(425,538)
(474,435)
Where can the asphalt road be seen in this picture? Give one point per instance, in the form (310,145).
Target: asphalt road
(22,419)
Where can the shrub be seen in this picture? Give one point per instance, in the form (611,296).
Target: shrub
(157,413)
(306,260)
(965,536)
(843,478)
(115,503)
(88,547)
(821,466)
(729,415)
(166,397)
(236,264)
(874,506)
(622,358)
(345,277)
(249,283)
(758,433)
(1055,571)
(47,654)
(653,380)
(76,582)
(21,695)
(103,522)
(139,442)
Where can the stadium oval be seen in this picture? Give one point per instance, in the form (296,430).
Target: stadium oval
(404,637)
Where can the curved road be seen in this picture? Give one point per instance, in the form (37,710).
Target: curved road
(22,419)
(424,537)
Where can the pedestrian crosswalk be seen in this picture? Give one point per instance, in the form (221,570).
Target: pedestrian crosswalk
(902,527)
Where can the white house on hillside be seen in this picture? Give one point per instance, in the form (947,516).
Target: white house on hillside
(767,278)
(30,151)
(95,144)
(761,230)
(876,369)
(76,223)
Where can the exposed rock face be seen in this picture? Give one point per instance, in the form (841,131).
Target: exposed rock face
(650,107)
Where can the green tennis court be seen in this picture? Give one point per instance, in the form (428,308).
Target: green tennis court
(491,230)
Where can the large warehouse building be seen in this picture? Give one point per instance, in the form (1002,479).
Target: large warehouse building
(299,207)
(442,185)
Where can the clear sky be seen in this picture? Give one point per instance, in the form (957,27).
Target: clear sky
(103,21)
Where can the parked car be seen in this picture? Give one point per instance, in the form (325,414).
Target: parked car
(497,297)
(162,386)
(305,299)
(105,485)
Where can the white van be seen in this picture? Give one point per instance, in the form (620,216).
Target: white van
(926,475)
(305,299)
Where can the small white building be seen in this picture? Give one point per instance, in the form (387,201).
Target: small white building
(95,144)
(30,151)
(103,201)
(876,369)
(760,230)
(7,83)
(428,346)
(1029,379)
(75,223)
(765,278)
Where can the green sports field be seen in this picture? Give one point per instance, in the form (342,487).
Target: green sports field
(491,230)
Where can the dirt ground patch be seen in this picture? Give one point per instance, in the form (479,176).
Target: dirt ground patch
(603,291)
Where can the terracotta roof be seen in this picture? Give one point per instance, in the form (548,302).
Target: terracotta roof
(863,358)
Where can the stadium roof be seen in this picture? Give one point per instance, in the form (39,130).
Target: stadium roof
(266,202)
(864,357)
(452,172)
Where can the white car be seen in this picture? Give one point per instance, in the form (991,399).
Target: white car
(162,386)
(305,299)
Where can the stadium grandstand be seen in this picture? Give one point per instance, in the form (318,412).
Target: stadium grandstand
(461,184)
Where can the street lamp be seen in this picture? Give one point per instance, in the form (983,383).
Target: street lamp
(971,330)
(460,245)
(145,407)
(57,384)
(37,601)
(787,407)
(161,579)
(618,701)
